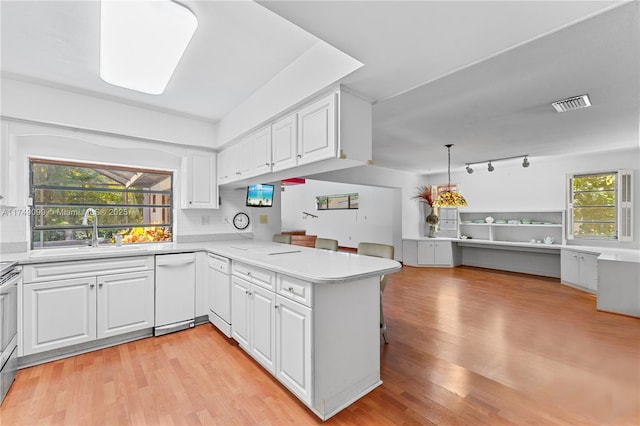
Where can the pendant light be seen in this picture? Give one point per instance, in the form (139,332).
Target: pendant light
(449,198)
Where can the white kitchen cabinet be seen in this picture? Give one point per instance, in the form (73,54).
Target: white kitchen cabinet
(240,311)
(58,314)
(124,303)
(284,143)
(293,347)
(336,127)
(69,303)
(5,165)
(317,136)
(224,167)
(199,189)
(579,269)
(262,315)
(430,252)
(435,253)
(261,152)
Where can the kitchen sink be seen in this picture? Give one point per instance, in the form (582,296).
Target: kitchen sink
(84,251)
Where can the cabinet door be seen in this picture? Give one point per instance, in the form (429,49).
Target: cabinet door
(59,314)
(224,167)
(263,327)
(443,254)
(243,159)
(125,303)
(317,136)
(200,177)
(426,252)
(240,311)
(284,143)
(293,340)
(588,271)
(570,267)
(261,152)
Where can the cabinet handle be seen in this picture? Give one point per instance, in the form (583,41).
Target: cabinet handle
(92,285)
(267,164)
(100,284)
(581,257)
(299,155)
(190,202)
(290,289)
(276,306)
(238,173)
(273,164)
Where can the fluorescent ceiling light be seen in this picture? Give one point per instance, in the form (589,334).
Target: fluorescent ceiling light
(141,42)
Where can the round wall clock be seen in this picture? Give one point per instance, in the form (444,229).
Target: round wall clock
(241,220)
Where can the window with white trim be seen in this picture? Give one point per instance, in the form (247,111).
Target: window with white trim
(599,206)
(134,203)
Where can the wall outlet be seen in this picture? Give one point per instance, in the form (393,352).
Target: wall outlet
(205,220)
(264,219)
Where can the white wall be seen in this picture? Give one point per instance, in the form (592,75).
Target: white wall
(373,221)
(541,186)
(26,101)
(30,140)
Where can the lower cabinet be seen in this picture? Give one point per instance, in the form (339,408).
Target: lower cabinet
(430,252)
(293,347)
(579,269)
(58,313)
(275,331)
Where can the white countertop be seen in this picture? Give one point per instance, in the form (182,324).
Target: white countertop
(605,253)
(309,264)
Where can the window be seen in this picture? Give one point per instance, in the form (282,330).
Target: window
(599,206)
(134,203)
(337,202)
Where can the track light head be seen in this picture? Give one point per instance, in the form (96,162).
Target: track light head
(490,167)
(469,169)
(525,162)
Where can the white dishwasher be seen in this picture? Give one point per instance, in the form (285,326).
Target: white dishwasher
(175,292)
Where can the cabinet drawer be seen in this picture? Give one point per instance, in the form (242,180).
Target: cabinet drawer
(219,263)
(294,289)
(258,276)
(84,268)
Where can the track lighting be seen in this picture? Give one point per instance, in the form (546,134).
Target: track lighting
(490,167)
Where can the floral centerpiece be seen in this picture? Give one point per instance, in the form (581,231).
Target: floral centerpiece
(425,196)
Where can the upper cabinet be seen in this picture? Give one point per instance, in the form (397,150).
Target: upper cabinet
(7,191)
(335,127)
(317,138)
(284,143)
(199,189)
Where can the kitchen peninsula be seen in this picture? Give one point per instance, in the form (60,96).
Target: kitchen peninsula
(296,310)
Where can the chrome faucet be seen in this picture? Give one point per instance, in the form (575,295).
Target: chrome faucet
(94,237)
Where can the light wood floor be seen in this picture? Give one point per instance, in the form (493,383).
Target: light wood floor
(468,346)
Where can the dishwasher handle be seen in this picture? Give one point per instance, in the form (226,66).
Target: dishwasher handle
(176,264)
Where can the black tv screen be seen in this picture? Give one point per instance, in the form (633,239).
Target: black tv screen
(260,195)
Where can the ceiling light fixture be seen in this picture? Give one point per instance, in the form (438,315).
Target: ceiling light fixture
(569,104)
(141,42)
(449,198)
(490,166)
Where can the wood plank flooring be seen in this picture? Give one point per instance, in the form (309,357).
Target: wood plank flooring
(467,346)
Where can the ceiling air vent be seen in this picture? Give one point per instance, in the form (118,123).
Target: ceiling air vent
(570,104)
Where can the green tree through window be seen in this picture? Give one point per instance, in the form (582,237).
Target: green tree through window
(593,197)
(132,202)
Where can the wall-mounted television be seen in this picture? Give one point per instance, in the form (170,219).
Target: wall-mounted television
(260,195)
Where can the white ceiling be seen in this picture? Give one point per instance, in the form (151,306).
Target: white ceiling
(478,74)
